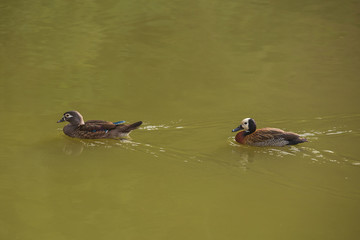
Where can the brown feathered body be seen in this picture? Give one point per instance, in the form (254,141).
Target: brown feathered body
(95,129)
(269,137)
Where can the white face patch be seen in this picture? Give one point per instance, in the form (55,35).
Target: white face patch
(245,124)
(68,115)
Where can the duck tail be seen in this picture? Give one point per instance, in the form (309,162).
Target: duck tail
(297,141)
(134,126)
(123,130)
(128,128)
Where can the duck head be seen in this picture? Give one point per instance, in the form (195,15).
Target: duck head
(73,117)
(248,124)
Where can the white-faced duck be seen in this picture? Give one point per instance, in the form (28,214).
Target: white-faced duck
(95,129)
(265,136)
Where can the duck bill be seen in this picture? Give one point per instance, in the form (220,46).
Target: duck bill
(237,129)
(61,120)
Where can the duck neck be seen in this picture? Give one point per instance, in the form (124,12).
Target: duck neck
(77,121)
(250,131)
(252,127)
(247,133)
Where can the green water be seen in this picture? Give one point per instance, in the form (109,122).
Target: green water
(191,70)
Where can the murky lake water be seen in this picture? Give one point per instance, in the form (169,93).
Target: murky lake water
(191,70)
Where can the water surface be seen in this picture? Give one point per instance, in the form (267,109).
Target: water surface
(191,70)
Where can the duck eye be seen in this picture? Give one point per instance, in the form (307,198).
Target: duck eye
(67,115)
(245,123)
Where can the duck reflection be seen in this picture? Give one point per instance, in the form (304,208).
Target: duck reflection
(73,147)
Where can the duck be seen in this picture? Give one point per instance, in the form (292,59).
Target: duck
(95,129)
(265,136)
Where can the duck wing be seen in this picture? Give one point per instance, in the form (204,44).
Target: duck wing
(277,135)
(97,125)
(128,127)
(265,134)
